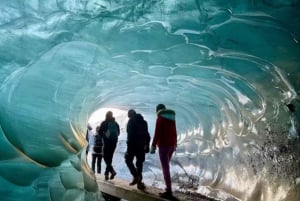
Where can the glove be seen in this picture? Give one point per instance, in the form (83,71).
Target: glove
(152,150)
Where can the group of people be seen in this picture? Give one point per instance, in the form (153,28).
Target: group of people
(138,145)
(103,144)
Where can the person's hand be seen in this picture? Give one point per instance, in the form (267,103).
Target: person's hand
(152,150)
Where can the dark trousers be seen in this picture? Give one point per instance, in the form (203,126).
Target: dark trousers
(108,153)
(165,155)
(87,150)
(137,169)
(96,158)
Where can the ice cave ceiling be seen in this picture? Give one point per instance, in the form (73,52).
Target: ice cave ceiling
(228,69)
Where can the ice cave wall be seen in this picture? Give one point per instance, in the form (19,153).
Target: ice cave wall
(228,69)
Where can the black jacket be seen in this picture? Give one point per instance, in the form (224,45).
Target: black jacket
(138,136)
(104,126)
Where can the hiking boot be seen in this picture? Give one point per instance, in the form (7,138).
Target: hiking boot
(141,185)
(167,195)
(106,177)
(134,181)
(113,174)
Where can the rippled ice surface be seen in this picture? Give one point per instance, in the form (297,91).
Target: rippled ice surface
(228,69)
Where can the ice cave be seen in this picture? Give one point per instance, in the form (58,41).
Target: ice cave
(230,69)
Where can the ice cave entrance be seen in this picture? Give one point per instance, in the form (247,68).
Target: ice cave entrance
(99,115)
(95,120)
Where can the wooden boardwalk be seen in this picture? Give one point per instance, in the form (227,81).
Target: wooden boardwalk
(121,189)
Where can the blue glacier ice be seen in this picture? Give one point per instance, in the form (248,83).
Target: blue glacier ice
(228,68)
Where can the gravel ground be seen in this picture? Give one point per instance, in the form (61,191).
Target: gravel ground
(191,197)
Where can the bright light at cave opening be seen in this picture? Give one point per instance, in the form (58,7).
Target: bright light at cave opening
(99,115)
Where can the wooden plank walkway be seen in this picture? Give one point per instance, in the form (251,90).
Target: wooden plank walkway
(121,189)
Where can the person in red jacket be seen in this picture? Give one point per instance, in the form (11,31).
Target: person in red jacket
(165,138)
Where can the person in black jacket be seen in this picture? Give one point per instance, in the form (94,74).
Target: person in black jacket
(138,139)
(97,153)
(109,130)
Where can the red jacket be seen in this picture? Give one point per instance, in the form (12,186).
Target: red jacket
(165,129)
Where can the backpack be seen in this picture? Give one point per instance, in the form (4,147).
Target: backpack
(142,131)
(112,130)
(98,144)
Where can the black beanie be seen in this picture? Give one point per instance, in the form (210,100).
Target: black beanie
(130,113)
(160,107)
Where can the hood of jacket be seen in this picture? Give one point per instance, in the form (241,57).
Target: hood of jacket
(167,114)
(139,117)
